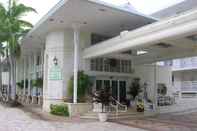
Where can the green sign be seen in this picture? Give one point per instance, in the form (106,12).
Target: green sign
(55,73)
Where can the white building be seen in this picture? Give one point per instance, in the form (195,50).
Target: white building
(184,70)
(111,44)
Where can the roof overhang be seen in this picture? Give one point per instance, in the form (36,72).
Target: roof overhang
(95,16)
(173,31)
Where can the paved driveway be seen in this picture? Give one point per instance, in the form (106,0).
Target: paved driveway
(182,121)
(12,119)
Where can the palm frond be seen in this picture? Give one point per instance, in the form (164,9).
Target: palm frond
(25,24)
(2,50)
(19,10)
(2,12)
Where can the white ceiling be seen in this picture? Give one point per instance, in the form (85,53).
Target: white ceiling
(109,21)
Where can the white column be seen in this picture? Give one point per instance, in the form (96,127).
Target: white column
(155,87)
(24,76)
(34,72)
(76,59)
(29,75)
(118,90)
(42,61)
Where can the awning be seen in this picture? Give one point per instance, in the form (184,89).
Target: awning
(170,38)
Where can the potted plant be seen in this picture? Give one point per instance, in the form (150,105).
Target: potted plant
(135,88)
(102,97)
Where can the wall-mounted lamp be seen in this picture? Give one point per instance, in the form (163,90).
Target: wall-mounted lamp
(55,60)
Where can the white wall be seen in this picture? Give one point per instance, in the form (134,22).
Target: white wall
(60,44)
(146,74)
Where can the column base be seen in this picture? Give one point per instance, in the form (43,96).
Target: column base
(34,100)
(40,100)
(27,101)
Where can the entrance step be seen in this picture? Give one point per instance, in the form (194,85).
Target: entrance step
(113,115)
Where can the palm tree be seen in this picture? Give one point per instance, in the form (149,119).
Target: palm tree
(2,48)
(12,29)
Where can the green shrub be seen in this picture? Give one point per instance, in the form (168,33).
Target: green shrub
(84,84)
(37,83)
(20,84)
(60,110)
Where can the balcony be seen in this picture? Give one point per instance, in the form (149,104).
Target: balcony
(189,86)
(111,65)
(185,64)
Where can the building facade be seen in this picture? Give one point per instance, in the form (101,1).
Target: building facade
(183,70)
(53,52)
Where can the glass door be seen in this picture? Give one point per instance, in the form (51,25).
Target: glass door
(107,85)
(115,89)
(122,91)
(99,84)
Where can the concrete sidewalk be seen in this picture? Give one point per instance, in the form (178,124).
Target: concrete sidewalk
(14,119)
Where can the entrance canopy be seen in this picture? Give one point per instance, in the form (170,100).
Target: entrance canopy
(170,38)
(93,15)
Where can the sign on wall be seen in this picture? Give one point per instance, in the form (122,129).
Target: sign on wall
(55,73)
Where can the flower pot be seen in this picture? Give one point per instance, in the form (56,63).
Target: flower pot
(102,117)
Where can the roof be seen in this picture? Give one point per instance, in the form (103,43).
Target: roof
(95,15)
(170,38)
(176,9)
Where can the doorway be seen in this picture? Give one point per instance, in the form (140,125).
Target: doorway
(117,88)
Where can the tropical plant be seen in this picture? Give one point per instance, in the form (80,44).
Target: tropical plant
(21,84)
(12,29)
(38,83)
(84,84)
(135,88)
(103,97)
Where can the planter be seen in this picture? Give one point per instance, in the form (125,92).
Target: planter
(102,117)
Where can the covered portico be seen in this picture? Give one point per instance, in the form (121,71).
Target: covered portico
(167,39)
(66,31)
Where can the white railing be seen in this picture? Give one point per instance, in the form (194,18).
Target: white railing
(189,86)
(118,106)
(102,65)
(186,63)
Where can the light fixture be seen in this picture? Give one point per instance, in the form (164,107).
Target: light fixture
(55,60)
(141,52)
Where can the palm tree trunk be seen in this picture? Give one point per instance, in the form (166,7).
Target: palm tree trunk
(13,77)
(1,86)
(9,83)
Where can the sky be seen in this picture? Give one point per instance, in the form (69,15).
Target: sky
(144,6)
